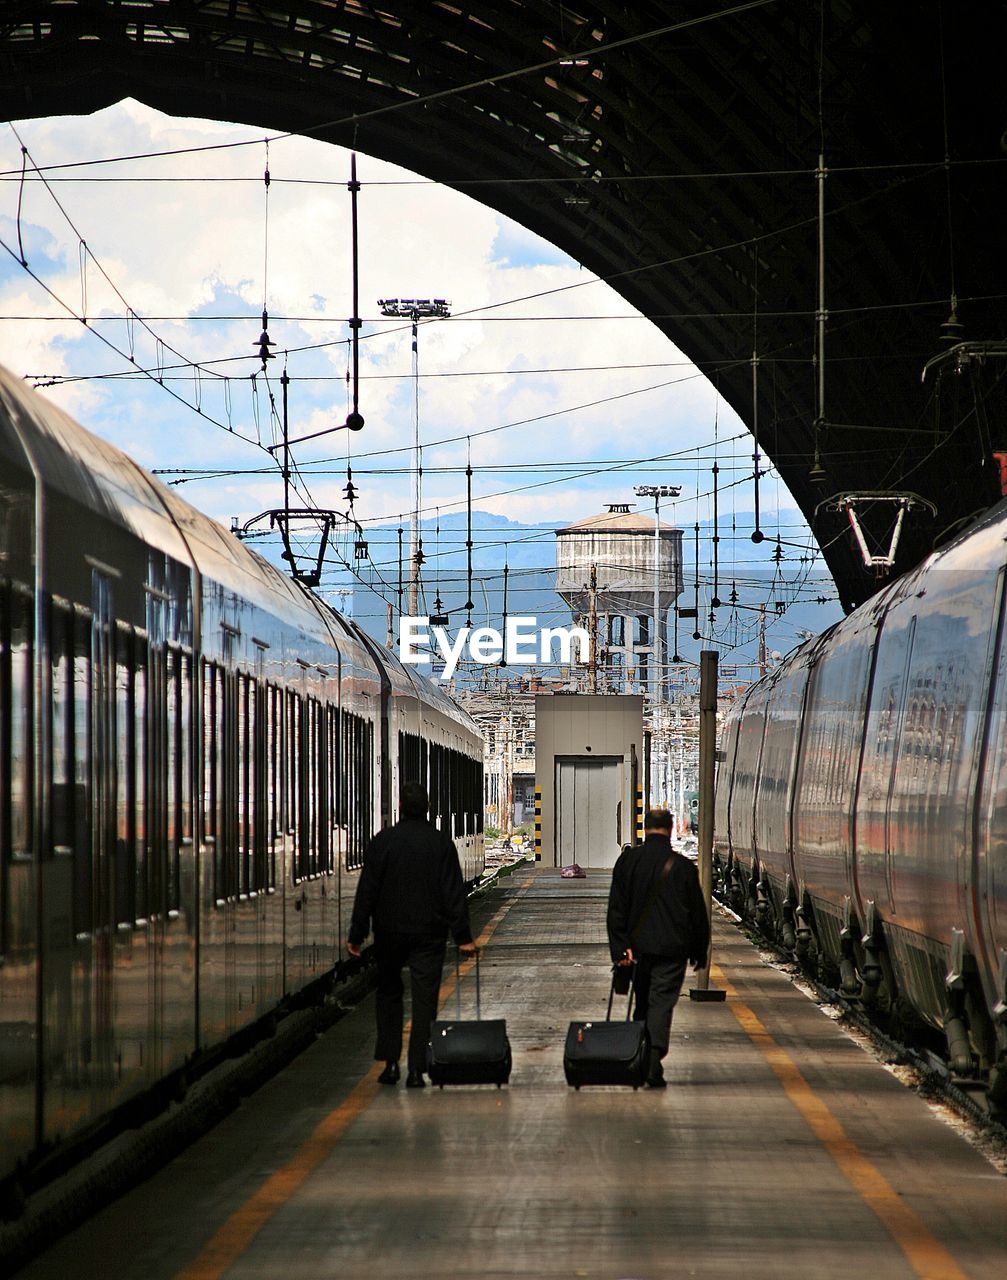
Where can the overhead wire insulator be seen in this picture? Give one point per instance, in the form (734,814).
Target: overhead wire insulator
(264,341)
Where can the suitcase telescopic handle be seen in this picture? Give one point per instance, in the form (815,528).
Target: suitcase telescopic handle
(629,1002)
(458,985)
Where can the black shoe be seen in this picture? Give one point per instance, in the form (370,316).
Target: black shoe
(390,1075)
(414,1080)
(655,1072)
(656,1082)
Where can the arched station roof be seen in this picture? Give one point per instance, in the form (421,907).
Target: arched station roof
(673,148)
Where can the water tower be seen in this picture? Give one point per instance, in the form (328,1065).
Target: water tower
(609,570)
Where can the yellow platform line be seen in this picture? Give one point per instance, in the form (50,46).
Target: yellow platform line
(233,1238)
(924,1253)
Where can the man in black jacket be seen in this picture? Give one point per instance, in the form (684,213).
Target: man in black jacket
(411,888)
(657,917)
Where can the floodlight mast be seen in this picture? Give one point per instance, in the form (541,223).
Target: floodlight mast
(415,309)
(657,492)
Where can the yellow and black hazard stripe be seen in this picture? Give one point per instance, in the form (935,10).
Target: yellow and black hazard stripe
(538,824)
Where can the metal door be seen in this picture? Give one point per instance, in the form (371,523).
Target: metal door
(590,824)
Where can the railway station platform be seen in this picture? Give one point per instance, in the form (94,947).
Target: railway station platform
(779,1149)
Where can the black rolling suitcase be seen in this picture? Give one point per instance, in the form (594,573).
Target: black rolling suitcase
(469,1052)
(607,1052)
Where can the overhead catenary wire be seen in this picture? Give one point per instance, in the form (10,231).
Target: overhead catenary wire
(434,442)
(462,181)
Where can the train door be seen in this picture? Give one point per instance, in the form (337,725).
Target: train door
(592,819)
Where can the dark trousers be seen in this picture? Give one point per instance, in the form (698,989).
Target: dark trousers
(657,985)
(425,958)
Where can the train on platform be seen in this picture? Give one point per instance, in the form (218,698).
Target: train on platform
(861,808)
(194,751)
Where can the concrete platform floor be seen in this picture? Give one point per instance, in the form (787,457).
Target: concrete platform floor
(779,1149)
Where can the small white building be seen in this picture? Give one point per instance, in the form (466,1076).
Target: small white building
(589,753)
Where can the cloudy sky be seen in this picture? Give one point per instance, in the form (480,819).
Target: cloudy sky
(184,240)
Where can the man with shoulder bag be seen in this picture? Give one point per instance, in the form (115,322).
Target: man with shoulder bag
(657,921)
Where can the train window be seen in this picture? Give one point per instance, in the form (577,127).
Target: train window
(211,749)
(179,764)
(411,763)
(185,747)
(141,877)
(103,741)
(282,764)
(61,707)
(305,831)
(293,739)
(305,827)
(436,785)
(257,786)
(366,787)
(154,755)
(444,802)
(228,846)
(334,765)
(325,834)
(358,777)
(455,803)
(316,782)
(254,841)
(435,778)
(18,715)
(344,777)
(272,782)
(172,763)
(351,808)
(125,864)
(221,700)
(244,806)
(402,758)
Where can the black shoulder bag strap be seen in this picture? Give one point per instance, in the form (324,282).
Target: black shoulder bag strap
(648,906)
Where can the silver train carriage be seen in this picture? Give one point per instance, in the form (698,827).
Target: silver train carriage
(861,805)
(194,752)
